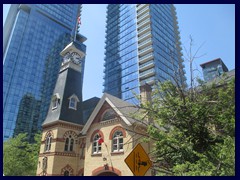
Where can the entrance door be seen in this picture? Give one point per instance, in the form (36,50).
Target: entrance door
(107,173)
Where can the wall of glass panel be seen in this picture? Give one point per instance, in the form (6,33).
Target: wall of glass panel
(32,62)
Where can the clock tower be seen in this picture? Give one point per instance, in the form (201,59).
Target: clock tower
(60,152)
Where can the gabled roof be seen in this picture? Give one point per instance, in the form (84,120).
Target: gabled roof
(122,108)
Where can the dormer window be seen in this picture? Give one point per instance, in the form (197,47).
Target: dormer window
(73,100)
(55,101)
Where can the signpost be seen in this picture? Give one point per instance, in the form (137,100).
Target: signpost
(138,161)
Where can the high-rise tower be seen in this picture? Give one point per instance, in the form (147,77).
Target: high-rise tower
(34,35)
(142,46)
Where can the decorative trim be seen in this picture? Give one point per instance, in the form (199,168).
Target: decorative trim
(67,133)
(67,168)
(117,128)
(60,123)
(50,132)
(69,154)
(106,168)
(109,121)
(95,132)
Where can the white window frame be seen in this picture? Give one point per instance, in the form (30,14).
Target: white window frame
(69,144)
(96,147)
(55,101)
(73,105)
(117,136)
(48,143)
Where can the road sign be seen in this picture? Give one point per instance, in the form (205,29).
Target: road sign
(138,161)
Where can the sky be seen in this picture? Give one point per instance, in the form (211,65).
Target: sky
(211,26)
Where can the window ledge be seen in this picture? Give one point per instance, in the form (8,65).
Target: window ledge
(46,152)
(72,108)
(117,153)
(54,108)
(97,154)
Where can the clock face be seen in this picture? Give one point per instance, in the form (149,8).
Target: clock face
(76,58)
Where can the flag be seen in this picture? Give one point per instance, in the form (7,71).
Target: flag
(100,140)
(79,20)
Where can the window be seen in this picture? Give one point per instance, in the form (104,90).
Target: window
(66,173)
(67,170)
(73,100)
(96,147)
(109,114)
(48,143)
(117,141)
(55,101)
(72,103)
(69,143)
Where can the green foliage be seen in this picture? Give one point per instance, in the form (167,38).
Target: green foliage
(199,135)
(19,156)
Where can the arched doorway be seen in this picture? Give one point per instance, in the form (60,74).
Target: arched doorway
(107,173)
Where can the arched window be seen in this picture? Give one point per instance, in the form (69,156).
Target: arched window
(69,143)
(108,114)
(96,146)
(48,142)
(117,141)
(66,173)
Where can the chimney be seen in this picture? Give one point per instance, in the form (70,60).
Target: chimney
(145,93)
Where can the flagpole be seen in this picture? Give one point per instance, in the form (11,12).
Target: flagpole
(76,26)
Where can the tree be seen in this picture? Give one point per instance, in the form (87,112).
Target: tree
(19,156)
(199,127)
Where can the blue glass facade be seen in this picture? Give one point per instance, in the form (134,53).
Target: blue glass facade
(142,46)
(37,34)
(121,62)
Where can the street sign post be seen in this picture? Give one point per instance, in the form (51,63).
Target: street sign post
(138,161)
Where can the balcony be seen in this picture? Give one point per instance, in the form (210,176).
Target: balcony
(145,43)
(143,17)
(146,66)
(144,37)
(144,23)
(146,74)
(145,50)
(144,10)
(144,30)
(141,6)
(146,58)
(150,81)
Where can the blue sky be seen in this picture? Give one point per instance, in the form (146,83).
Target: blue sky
(211,24)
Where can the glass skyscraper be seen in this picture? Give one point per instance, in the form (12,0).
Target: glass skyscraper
(33,37)
(142,46)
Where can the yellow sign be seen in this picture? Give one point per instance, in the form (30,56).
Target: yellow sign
(138,161)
